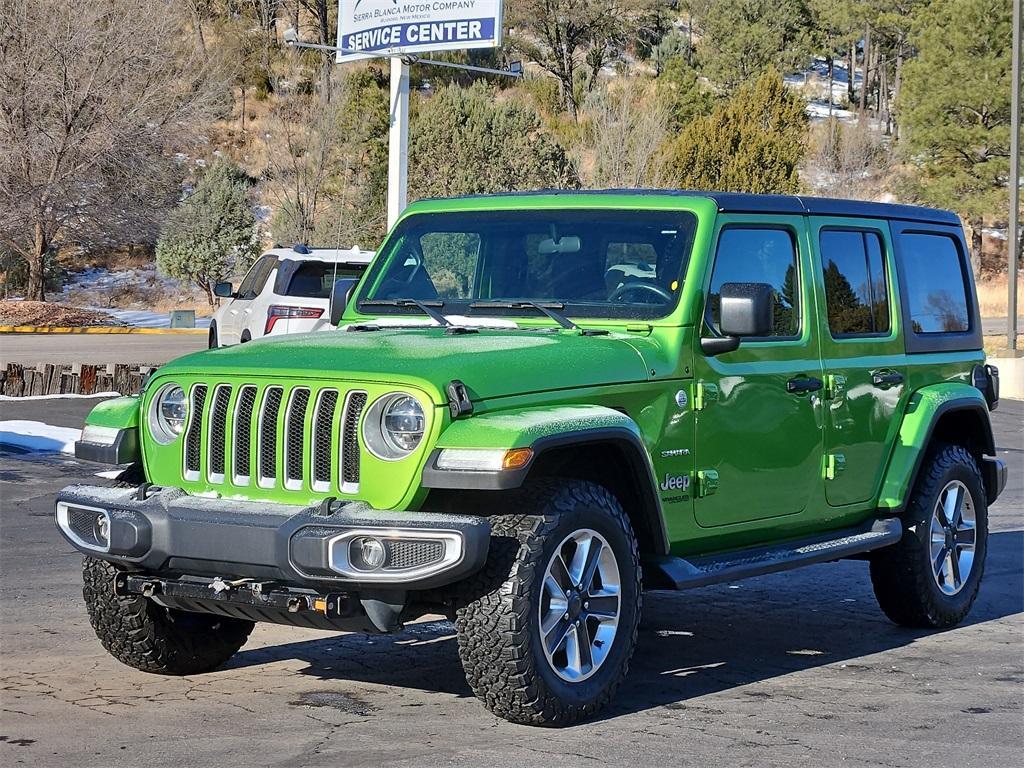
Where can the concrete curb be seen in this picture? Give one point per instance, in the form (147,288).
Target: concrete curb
(107,329)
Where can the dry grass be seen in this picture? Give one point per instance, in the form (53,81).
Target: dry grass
(44,313)
(993,295)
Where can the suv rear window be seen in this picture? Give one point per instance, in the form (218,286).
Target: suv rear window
(311,279)
(935,284)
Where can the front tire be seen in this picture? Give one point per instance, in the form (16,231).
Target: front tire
(930,578)
(138,632)
(547,630)
(213,342)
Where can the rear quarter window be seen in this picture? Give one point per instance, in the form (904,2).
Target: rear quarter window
(939,305)
(935,284)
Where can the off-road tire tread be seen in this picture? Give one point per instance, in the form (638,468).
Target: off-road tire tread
(900,574)
(138,632)
(493,612)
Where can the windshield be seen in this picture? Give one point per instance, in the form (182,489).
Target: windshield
(590,263)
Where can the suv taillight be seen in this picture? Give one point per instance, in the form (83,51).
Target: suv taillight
(276,313)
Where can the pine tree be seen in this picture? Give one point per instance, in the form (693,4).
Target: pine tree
(679,89)
(745,37)
(211,232)
(751,143)
(462,141)
(954,106)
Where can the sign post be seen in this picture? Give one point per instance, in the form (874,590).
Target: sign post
(400,29)
(398,141)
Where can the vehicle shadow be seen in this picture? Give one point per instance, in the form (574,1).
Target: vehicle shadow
(692,643)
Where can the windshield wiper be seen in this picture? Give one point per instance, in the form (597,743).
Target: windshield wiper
(548,308)
(423,306)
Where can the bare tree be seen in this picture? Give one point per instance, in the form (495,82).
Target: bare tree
(93,99)
(565,36)
(624,135)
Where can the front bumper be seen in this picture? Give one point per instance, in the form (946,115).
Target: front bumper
(166,531)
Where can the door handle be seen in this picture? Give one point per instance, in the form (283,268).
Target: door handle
(886,379)
(802,384)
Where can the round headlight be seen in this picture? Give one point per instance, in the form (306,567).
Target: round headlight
(403,423)
(168,413)
(394,426)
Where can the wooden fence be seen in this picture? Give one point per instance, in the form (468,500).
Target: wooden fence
(78,379)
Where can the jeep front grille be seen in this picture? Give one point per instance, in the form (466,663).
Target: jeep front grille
(294,438)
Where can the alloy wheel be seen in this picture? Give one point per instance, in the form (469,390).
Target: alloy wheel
(580,605)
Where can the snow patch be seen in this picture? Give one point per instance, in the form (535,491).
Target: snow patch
(38,437)
(146,319)
(68,395)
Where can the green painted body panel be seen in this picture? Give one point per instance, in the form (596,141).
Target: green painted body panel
(522,427)
(117,413)
(913,434)
(728,416)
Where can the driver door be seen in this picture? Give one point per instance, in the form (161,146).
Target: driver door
(758,408)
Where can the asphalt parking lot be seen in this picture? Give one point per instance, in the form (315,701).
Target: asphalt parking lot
(782,670)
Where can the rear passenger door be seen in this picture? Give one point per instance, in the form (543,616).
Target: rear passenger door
(862,352)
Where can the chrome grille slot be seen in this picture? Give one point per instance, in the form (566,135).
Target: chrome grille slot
(267,436)
(294,428)
(354,404)
(242,427)
(193,436)
(217,443)
(322,442)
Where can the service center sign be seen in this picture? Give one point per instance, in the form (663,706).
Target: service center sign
(417,26)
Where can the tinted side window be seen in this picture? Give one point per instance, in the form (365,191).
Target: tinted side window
(269,262)
(933,271)
(759,256)
(855,283)
(256,278)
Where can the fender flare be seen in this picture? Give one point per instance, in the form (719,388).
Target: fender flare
(114,438)
(922,415)
(546,429)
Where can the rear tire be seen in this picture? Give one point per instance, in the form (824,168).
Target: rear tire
(138,632)
(246,336)
(516,604)
(930,578)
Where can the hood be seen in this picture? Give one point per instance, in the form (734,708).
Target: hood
(491,363)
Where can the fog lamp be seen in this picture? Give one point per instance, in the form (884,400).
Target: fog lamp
(101,530)
(368,553)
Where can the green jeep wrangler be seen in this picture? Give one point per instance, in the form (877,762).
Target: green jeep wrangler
(537,405)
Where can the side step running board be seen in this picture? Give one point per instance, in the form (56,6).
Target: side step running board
(675,572)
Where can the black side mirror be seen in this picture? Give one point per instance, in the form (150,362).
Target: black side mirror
(224,290)
(745,309)
(341,292)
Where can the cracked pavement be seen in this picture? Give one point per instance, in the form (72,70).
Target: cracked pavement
(772,671)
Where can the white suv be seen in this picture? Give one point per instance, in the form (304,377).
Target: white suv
(287,290)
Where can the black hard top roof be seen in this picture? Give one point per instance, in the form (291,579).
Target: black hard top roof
(740,202)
